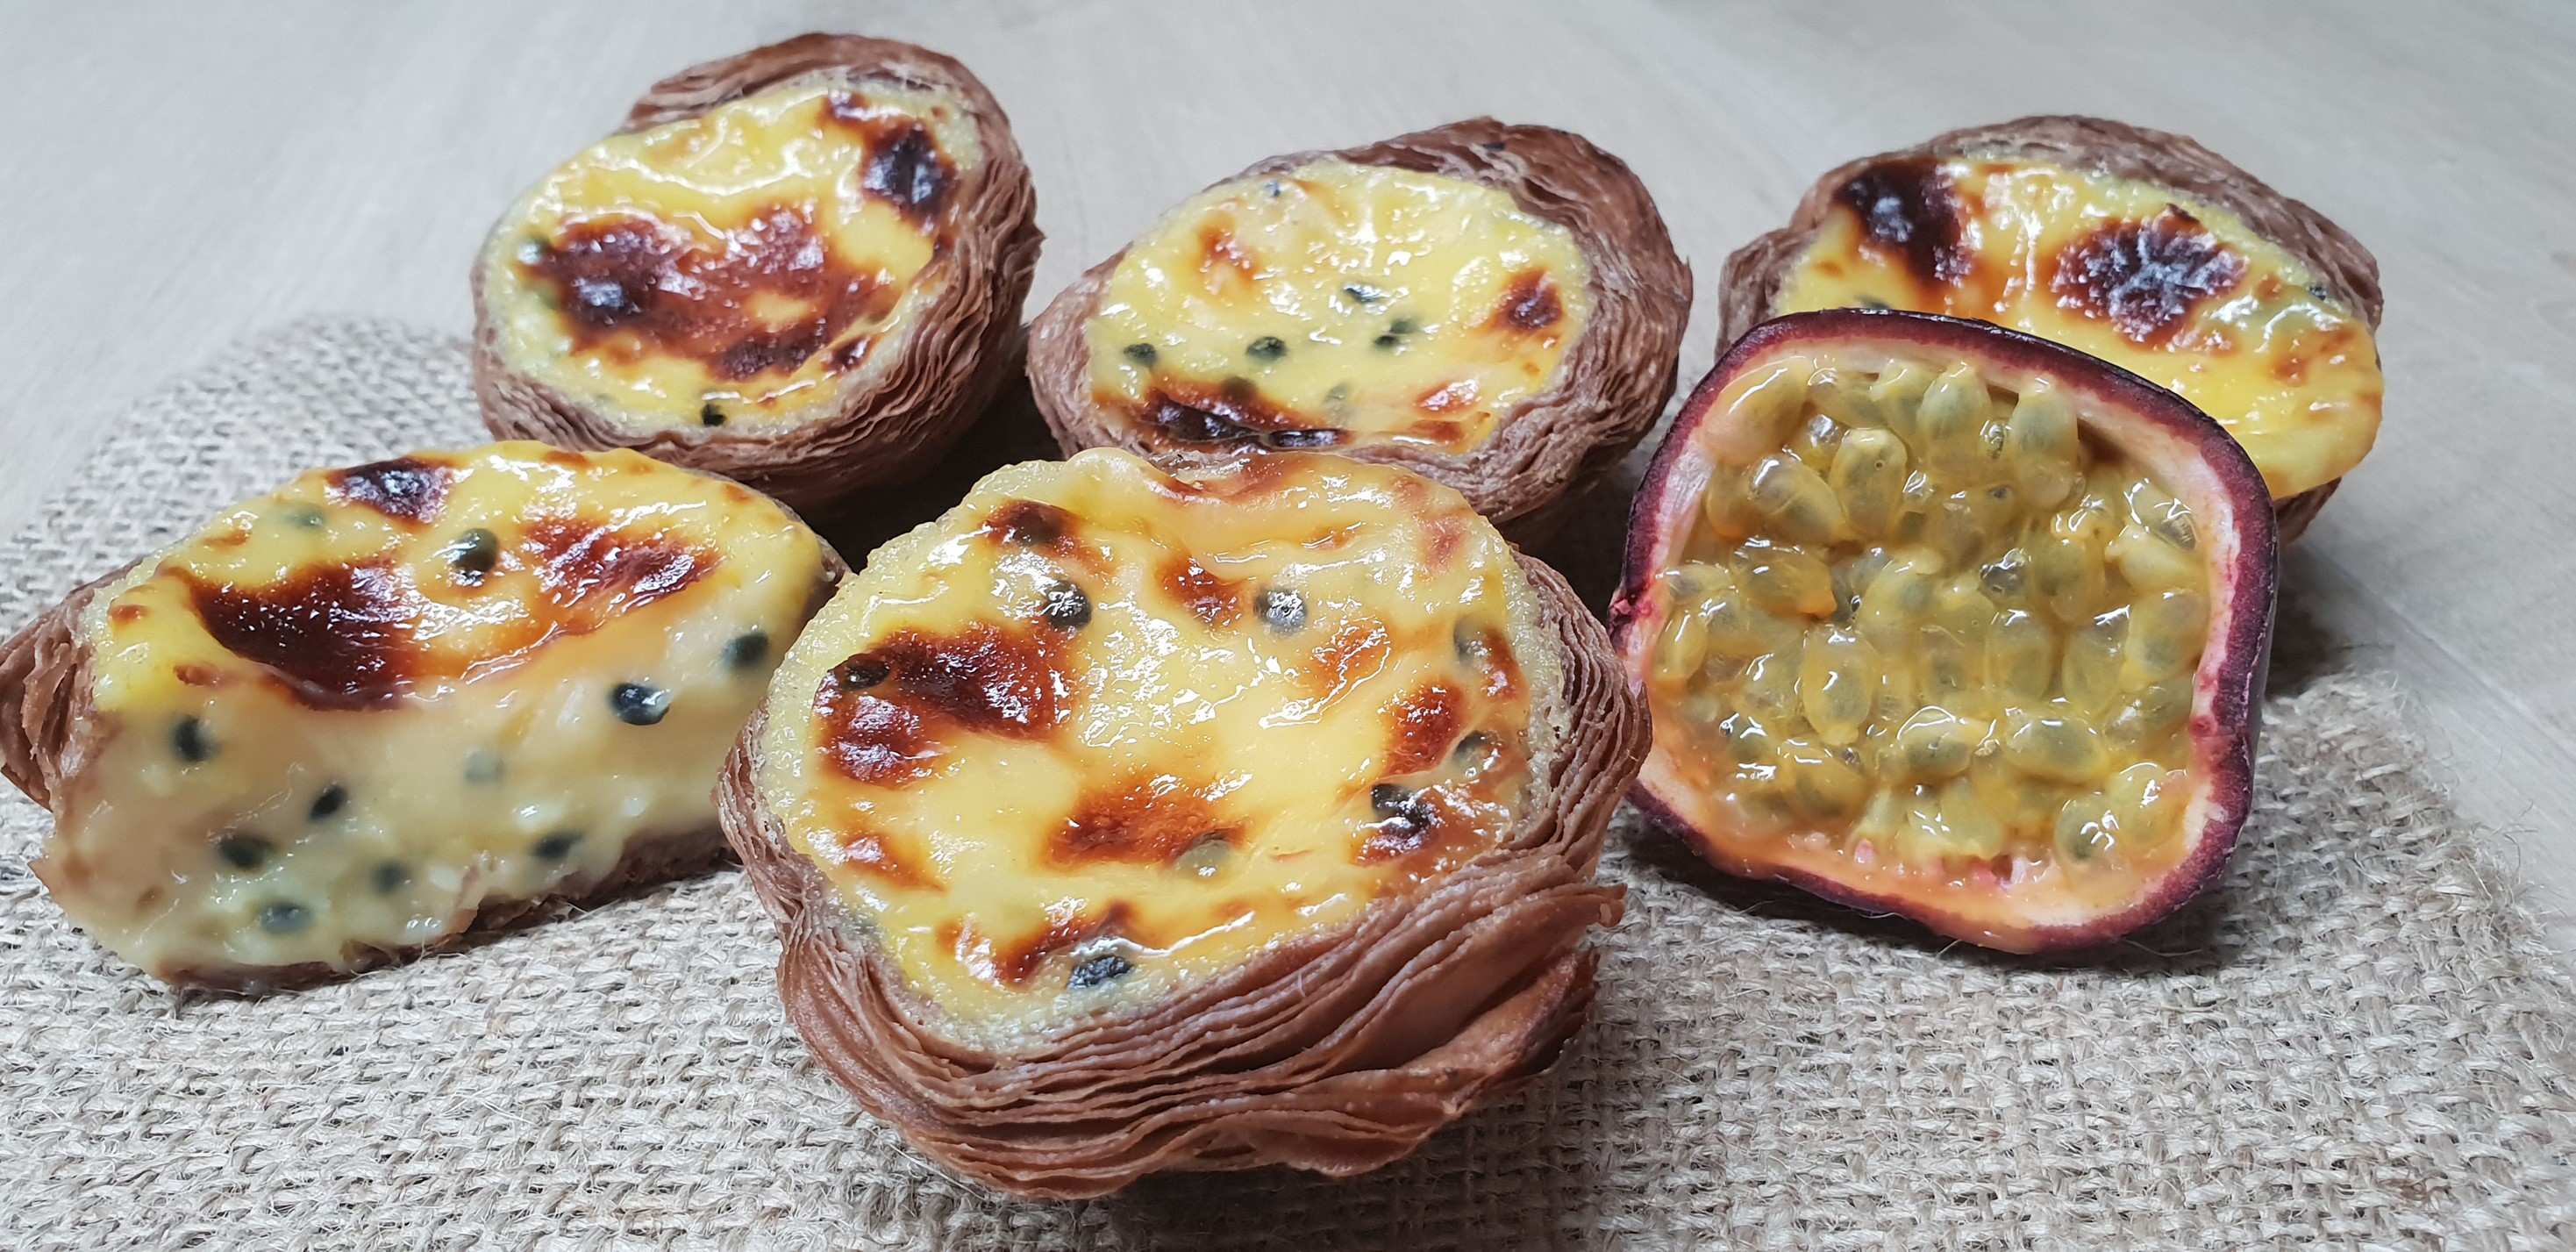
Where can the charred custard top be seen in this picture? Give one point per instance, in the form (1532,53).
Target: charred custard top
(1338,305)
(347,713)
(1098,733)
(735,268)
(2162,285)
(1930,638)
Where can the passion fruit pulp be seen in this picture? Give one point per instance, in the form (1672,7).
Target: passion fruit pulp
(1945,620)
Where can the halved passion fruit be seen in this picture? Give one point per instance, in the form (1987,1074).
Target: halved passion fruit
(1950,621)
(2141,247)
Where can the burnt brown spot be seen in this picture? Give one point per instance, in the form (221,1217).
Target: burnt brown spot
(630,286)
(1356,651)
(2145,277)
(337,636)
(1031,524)
(1457,395)
(591,574)
(868,852)
(1220,250)
(193,674)
(1423,725)
(127,614)
(1487,653)
(1442,539)
(406,488)
(1148,821)
(1529,304)
(1015,963)
(1231,412)
(904,165)
(1908,206)
(884,711)
(873,741)
(1213,600)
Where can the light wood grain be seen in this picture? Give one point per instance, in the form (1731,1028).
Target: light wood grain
(179,174)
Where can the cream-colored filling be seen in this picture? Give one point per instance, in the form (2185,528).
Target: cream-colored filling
(1931,638)
(2291,373)
(223,820)
(766,223)
(1344,305)
(1282,699)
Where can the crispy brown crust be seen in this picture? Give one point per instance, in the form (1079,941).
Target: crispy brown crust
(1616,376)
(46,706)
(1756,271)
(1336,1053)
(891,422)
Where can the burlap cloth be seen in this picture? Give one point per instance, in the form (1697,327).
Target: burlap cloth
(2357,1041)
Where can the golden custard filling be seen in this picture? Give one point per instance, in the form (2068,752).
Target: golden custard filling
(344,715)
(1338,305)
(1098,733)
(2165,286)
(736,268)
(1930,637)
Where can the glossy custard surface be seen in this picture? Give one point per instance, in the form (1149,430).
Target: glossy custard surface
(1338,305)
(1930,638)
(1097,733)
(2180,292)
(347,713)
(735,268)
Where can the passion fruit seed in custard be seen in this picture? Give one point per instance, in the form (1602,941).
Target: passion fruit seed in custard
(1948,621)
(2139,247)
(801,267)
(1491,305)
(347,719)
(1109,768)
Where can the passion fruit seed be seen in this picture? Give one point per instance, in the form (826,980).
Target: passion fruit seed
(711,414)
(1792,497)
(284,917)
(1067,608)
(483,766)
(244,851)
(329,803)
(1951,425)
(1100,971)
(2043,447)
(1868,475)
(1786,580)
(639,704)
(390,877)
(1140,353)
(189,739)
(1282,610)
(556,846)
(1267,348)
(1930,619)
(747,650)
(473,553)
(1205,856)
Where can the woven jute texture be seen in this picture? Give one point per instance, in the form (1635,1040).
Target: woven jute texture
(2356,1041)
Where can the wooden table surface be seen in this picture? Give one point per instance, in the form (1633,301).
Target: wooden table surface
(179,174)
